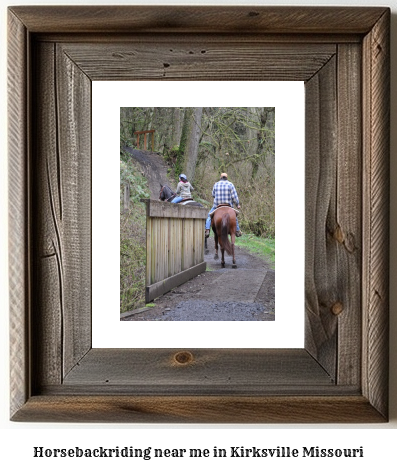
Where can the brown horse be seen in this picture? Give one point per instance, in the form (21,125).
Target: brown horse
(223,224)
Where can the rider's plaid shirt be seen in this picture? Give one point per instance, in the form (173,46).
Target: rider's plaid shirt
(224,192)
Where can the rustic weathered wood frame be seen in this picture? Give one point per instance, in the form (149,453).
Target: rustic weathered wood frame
(343,56)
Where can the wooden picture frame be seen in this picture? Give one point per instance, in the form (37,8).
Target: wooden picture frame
(342,54)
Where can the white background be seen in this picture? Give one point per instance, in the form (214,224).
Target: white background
(17,440)
(288,329)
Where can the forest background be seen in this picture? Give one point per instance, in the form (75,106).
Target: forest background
(201,143)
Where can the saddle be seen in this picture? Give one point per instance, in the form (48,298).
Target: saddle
(221,206)
(185,200)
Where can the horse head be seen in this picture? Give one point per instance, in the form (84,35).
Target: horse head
(165,193)
(161,196)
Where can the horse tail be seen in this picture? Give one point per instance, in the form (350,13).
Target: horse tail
(224,234)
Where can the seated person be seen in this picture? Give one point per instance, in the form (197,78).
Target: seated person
(223,192)
(183,189)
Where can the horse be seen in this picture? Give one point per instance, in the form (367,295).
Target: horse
(224,223)
(166,194)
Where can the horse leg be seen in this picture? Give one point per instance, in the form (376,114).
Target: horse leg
(223,257)
(232,239)
(216,256)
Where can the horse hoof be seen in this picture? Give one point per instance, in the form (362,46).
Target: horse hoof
(234,265)
(216,256)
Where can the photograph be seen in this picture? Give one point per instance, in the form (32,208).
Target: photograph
(197,214)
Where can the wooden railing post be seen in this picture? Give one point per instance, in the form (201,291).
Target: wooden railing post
(174,245)
(138,133)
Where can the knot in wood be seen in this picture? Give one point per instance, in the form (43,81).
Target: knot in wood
(183,358)
(337,308)
(338,235)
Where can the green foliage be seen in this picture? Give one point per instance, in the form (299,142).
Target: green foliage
(126,141)
(238,140)
(124,156)
(258,245)
(129,174)
(132,237)
(256,195)
(170,156)
(131,120)
(260,227)
(181,158)
(132,258)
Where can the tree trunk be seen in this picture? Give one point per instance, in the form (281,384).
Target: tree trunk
(192,142)
(177,127)
(251,131)
(270,147)
(265,140)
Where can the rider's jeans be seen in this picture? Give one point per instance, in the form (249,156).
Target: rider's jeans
(177,199)
(208,220)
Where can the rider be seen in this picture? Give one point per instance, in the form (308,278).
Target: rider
(183,189)
(223,192)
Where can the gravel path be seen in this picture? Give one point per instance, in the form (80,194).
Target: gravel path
(219,294)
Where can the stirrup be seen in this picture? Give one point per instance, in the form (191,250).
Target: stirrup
(238,234)
(207,233)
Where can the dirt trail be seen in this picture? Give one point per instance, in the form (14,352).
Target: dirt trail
(219,294)
(154,169)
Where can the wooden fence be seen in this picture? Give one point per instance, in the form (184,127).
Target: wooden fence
(174,245)
(145,133)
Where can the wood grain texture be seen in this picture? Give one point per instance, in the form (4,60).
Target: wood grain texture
(199,19)
(174,245)
(347,226)
(333,215)
(63,214)
(163,209)
(157,370)
(183,58)
(73,110)
(199,409)
(376,92)
(48,249)
(346,290)
(19,224)
(321,277)
(169,282)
